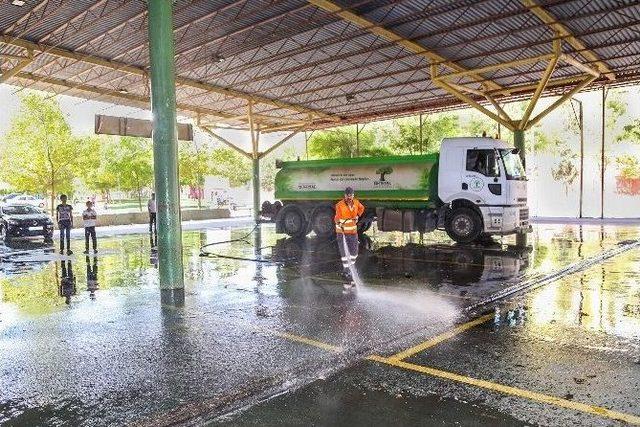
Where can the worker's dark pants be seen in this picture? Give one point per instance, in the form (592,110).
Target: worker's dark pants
(153,227)
(90,232)
(65,232)
(348,247)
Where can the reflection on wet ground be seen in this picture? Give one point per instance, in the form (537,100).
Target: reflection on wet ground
(88,339)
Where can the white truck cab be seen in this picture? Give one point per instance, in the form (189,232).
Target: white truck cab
(482,177)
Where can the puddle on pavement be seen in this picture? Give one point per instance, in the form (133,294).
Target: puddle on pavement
(38,280)
(220,329)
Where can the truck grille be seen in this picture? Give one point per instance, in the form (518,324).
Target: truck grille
(524,214)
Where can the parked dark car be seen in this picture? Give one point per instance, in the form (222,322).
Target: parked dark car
(24,221)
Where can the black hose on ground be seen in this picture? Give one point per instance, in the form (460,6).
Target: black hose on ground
(244,238)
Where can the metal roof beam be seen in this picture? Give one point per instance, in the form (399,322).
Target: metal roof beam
(186,27)
(498,35)
(564,32)
(37,14)
(226,141)
(410,45)
(6,75)
(82,15)
(143,101)
(143,72)
(428,12)
(139,101)
(279,144)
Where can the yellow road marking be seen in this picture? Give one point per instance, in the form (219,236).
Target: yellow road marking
(301,339)
(514,391)
(440,338)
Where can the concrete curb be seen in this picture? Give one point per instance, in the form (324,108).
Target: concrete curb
(105,220)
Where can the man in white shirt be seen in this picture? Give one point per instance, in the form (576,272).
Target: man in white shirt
(89,217)
(151,207)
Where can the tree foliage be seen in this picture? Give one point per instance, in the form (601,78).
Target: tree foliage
(268,168)
(228,163)
(342,142)
(40,153)
(194,166)
(630,133)
(404,134)
(130,160)
(628,166)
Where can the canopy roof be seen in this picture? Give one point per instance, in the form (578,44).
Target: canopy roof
(318,63)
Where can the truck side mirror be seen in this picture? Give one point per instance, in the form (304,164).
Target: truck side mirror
(516,151)
(279,163)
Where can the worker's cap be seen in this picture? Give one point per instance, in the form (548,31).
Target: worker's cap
(348,191)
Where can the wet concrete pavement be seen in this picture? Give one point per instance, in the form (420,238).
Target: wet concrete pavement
(91,341)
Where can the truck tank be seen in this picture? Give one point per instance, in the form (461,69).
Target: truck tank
(390,181)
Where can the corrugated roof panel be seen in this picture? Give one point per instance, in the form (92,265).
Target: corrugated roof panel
(294,51)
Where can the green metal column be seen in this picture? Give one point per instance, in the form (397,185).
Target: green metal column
(165,143)
(518,140)
(256,188)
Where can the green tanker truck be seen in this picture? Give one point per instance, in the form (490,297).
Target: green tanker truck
(472,188)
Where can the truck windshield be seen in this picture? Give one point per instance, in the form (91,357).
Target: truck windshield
(512,165)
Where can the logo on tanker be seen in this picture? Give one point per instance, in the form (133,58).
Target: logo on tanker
(476,184)
(383,172)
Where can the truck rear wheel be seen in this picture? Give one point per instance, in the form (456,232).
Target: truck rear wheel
(322,222)
(294,222)
(463,225)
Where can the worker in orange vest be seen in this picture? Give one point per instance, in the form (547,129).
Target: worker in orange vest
(348,210)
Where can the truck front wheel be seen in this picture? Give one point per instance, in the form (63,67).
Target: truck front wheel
(294,222)
(463,225)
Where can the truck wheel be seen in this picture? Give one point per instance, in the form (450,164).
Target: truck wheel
(463,225)
(293,222)
(322,222)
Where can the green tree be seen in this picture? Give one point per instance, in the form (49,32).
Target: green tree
(131,161)
(404,134)
(230,164)
(194,166)
(342,143)
(616,108)
(566,171)
(630,133)
(93,169)
(628,166)
(268,167)
(40,154)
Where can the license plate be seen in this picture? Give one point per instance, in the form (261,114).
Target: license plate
(35,228)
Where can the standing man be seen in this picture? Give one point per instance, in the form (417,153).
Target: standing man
(64,217)
(151,207)
(89,217)
(348,210)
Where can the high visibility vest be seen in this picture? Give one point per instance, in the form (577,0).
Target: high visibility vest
(346,216)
